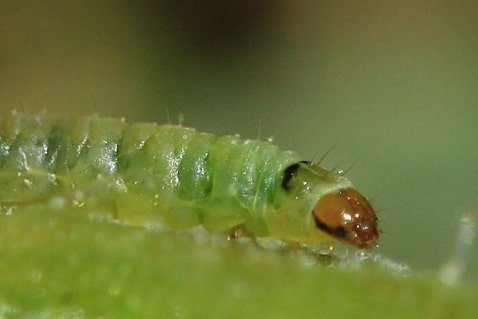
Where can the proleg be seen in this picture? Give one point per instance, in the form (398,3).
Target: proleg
(178,178)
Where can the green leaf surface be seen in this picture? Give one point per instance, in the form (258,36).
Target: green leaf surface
(66,264)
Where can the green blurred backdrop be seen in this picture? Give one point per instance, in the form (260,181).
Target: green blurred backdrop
(391,86)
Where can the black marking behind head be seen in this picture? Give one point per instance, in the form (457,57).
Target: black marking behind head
(289,172)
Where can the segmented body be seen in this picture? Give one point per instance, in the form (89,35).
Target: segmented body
(178,178)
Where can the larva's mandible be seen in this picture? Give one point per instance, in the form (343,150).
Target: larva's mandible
(179,178)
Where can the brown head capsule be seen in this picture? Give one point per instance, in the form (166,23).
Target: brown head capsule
(348,216)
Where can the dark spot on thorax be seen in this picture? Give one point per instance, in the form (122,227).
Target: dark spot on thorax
(290,172)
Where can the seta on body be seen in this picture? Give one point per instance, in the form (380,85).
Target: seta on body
(178,178)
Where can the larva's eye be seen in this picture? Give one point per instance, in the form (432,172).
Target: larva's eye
(347,216)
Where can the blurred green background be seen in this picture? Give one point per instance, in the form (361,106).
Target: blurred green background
(391,86)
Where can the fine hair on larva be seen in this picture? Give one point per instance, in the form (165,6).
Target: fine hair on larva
(178,178)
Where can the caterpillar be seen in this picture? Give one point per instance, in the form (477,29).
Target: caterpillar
(178,177)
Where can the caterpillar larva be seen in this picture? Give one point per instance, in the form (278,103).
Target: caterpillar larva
(178,177)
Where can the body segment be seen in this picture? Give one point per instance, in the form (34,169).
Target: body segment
(176,177)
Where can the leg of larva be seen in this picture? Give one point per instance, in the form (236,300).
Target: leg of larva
(175,177)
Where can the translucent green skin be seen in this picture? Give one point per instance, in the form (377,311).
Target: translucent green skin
(165,176)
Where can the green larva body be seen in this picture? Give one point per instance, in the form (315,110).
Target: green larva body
(150,174)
